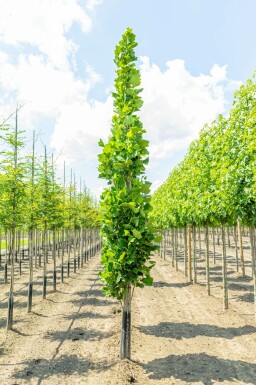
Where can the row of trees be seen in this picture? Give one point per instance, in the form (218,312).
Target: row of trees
(30,193)
(33,201)
(189,247)
(215,185)
(216,181)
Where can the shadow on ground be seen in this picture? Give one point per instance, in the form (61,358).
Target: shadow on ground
(95,292)
(91,301)
(248,297)
(201,368)
(87,314)
(67,365)
(167,284)
(77,334)
(187,330)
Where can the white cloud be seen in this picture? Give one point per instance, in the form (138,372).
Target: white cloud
(92,77)
(41,87)
(178,104)
(218,73)
(42,80)
(79,127)
(43,25)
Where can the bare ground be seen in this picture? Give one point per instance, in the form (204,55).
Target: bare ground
(180,335)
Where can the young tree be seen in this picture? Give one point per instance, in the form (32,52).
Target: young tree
(31,224)
(128,237)
(13,198)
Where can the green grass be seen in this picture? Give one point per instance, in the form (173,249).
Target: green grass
(23,242)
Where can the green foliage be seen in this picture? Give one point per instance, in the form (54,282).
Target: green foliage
(31,196)
(128,236)
(12,181)
(216,181)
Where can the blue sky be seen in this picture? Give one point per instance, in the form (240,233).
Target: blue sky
(202,32)
(56,58)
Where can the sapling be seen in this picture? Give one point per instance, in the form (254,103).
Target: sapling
(128,236)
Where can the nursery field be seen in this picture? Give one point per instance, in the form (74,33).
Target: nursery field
(190,245)
(180,335)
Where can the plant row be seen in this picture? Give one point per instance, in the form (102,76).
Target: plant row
(35,202)
(48,258)
(197,251)
(216,181)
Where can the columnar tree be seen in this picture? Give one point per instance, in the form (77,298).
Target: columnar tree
(128,237)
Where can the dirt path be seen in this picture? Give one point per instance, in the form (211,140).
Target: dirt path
(180,336)
(68,339)
(186,337)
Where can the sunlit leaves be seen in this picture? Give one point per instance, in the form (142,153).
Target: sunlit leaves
(42,202)
(128,237)
(216,181)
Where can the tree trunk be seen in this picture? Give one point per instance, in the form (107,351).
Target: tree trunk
(236,248)
(30,284)
(176,247)
(185,252)
(164,240)
(189,254)
(213,244)
(199,242)
(194,256)
(252,239)
(125,345)
(241,248)
(9,323)
(207,272)
(54,278)
(45,251)
(224,269)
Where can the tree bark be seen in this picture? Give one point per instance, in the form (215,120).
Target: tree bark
(224,270)
(241,248)
(185,252)
(194,256)
(207,272)
(236,248)
(125,345)
(189,254)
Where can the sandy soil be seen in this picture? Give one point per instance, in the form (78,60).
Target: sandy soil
(180,336)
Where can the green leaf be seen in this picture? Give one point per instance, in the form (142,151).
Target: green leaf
(137,234)
(110,266)
(122,256)
(148,281)
(101,144)
(135,79)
